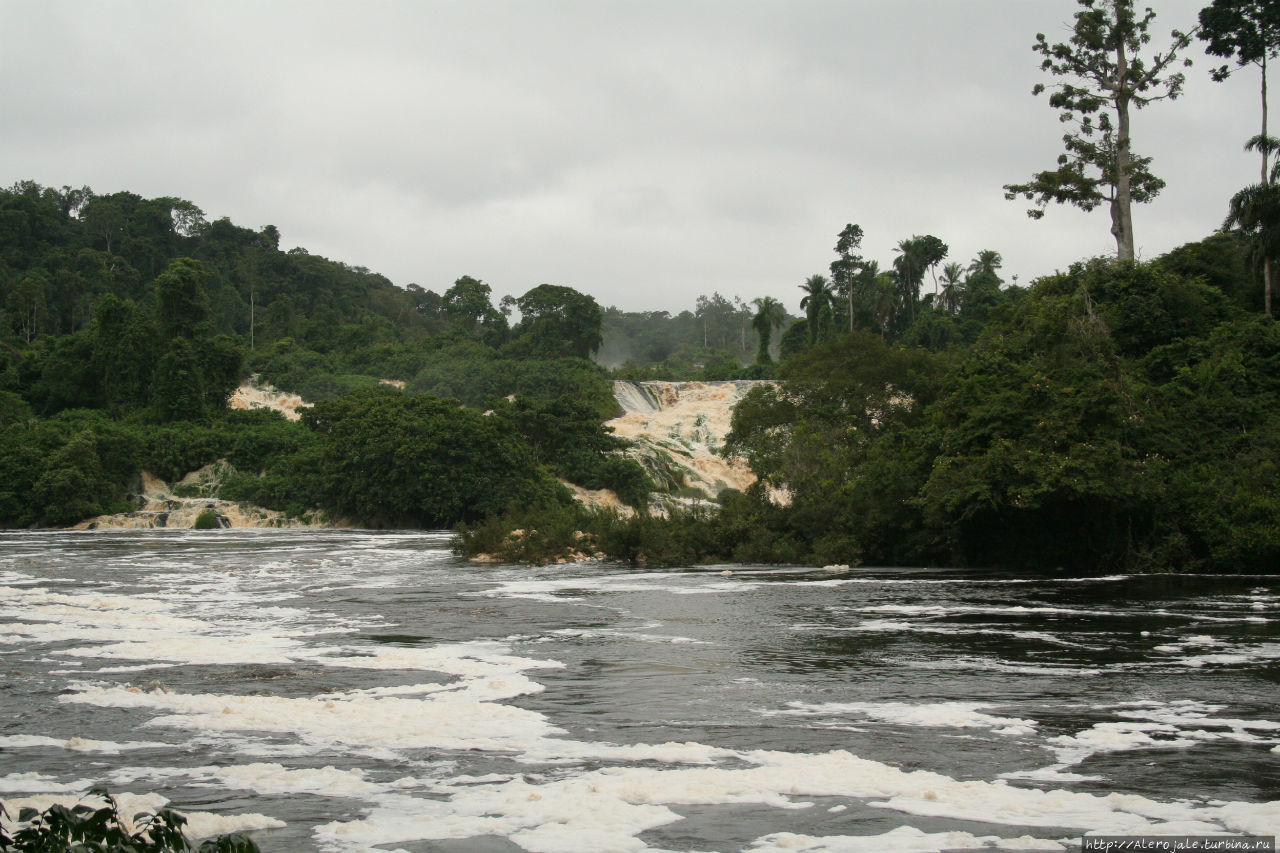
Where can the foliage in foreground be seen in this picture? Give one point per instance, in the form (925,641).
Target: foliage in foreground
(84,828)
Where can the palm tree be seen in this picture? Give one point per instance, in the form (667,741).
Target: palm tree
(769,316)
(817,297)
(909,265)
(881,296)
(986,263)
(1255,212)
(952,284)
(862,291)
(916,256)
(1267,145)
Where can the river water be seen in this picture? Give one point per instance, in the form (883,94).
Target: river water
(343,690)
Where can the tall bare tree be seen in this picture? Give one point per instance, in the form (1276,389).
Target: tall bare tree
(1104,78)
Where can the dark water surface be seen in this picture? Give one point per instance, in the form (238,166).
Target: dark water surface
(339,691)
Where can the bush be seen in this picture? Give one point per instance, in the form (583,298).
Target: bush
(57,828)
(207,520)
(386,459)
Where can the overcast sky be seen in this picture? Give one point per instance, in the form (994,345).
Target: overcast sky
(643,152)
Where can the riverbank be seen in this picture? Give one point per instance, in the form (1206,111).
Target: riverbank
(192,503)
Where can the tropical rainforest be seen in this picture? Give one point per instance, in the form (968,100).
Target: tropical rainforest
(1119,415)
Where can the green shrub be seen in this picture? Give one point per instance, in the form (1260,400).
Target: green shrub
(58,828)
(207,520)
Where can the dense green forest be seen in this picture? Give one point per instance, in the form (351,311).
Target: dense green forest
(127,322)
(1118,415)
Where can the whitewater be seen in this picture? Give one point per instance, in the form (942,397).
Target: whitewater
(352,690)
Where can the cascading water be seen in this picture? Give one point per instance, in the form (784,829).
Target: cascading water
(254,394)
(677,430)
(636,397)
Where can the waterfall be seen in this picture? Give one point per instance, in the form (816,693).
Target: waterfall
(677,430)
(636,396)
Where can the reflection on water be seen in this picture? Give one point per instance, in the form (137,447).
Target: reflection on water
(348,690)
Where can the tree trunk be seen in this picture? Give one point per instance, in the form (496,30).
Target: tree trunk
(1266,286)
(1266,181)
(1121,204)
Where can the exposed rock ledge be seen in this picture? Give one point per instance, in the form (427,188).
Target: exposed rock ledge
(161,507)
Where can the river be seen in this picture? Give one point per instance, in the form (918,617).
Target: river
(346,690)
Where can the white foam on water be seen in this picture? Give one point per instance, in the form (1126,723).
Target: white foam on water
(249,747)
(605,809)
(271,779)
(443,721)
(929,715)
(466,718)
(1185,712)
(963,662)
(635,636)
(904,839)
(159,633)
(1051,775)
(274,779)
(958,609)
(1148,724)
(38,783)
(1223,654)
(1114,737)
(887,626)
(76,744)
(569,589)
(904,609)
(207,824)
(893,626)
(137,628)
(253,648)
(1197,641)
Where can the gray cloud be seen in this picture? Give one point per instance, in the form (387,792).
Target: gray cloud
(641,152)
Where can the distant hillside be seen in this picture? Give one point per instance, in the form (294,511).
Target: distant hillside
(128,322)
(63,250)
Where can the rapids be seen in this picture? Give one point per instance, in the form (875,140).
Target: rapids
(352,690)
